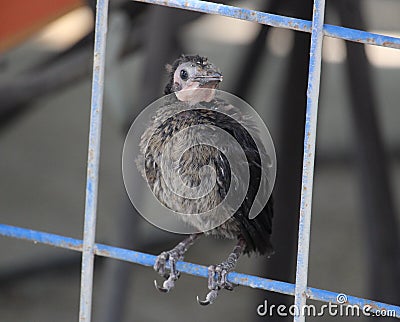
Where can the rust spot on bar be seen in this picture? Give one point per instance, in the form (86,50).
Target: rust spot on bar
(102,252)
(72,246)
(91,155)
(375,307)
(243,280)
(371,41)
(294,25)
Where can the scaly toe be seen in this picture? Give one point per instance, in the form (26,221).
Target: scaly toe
(160,264)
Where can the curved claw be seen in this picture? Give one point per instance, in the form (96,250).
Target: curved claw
(210,298)
(161,289)
(204,303)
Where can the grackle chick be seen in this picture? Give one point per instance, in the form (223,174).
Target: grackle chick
(252,235)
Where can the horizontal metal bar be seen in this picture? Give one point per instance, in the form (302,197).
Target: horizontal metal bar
(279,21)
(188,268)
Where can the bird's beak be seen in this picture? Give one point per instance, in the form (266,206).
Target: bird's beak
(210,77)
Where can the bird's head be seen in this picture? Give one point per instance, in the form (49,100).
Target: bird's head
(191,72)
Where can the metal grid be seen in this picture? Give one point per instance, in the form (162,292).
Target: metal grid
(89,248)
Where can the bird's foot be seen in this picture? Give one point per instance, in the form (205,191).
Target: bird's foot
(172,256)
(160,267)
(217,280)
(218,274)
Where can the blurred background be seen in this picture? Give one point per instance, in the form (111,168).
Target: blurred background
(45,77)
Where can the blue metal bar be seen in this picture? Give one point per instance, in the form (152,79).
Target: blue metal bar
(188,268)
(278,21)
(310,135)
(89,230)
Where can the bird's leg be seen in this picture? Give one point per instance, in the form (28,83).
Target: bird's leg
(172,256)
(215,283)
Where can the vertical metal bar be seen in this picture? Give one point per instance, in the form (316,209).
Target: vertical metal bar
(93,161)
(314,75)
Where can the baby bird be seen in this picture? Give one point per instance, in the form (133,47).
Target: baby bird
(187,74)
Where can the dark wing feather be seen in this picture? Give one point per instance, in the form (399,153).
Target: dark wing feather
(255,231)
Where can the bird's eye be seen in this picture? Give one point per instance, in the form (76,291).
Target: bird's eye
(184,74)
